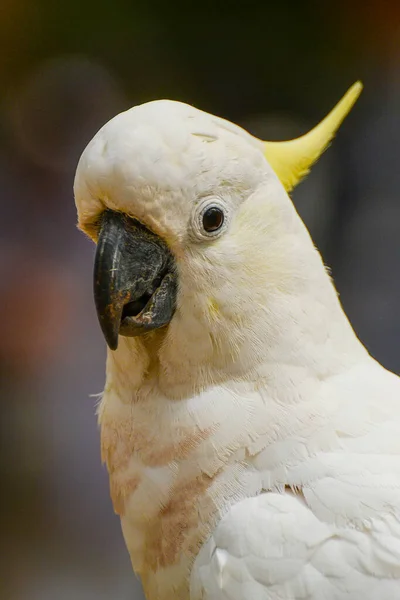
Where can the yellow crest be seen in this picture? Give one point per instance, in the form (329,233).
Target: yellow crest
(292,160)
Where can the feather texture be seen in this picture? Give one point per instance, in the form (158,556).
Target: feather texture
(253,445)
(333,531)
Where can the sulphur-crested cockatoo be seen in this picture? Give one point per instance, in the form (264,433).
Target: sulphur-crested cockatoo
(252,444)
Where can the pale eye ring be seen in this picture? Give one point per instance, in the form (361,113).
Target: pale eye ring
(210,218)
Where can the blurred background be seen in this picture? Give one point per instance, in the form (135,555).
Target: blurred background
(67,67)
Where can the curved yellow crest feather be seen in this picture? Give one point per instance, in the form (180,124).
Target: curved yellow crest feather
(292,160)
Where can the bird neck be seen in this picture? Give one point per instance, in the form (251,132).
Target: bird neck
(302,330)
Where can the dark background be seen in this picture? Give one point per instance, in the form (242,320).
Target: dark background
(65,68)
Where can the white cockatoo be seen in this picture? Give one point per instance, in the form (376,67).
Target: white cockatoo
(252,443)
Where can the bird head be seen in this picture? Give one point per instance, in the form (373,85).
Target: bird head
(195,232)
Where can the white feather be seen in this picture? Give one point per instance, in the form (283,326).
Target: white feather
(256,425)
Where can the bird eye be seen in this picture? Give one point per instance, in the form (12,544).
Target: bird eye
(209,219)
(213,219)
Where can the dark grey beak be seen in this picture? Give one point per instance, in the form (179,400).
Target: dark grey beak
(135,280)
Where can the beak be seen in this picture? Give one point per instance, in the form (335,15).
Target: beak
(135,281)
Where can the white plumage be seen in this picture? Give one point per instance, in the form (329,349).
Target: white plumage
(253,445)
(337,534)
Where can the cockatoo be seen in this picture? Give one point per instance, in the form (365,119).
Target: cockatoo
(252,443)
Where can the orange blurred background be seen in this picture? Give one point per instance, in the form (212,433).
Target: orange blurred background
(65,68)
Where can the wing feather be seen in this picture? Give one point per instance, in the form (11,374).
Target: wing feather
(273,547)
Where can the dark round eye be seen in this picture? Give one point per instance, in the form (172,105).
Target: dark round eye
(213,219)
